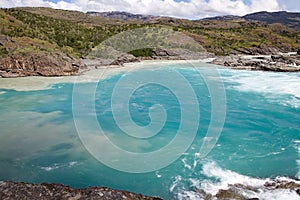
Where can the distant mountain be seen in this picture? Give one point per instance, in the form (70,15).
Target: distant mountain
(289,19)
(123,15)
(223,18)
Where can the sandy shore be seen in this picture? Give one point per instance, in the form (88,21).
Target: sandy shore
(31,83)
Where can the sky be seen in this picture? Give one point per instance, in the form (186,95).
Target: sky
(191,9)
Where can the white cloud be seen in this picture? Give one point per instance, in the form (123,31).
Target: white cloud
(191,9)
(14,3)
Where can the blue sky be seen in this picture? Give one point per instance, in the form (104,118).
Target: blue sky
(291,5)
(191,9)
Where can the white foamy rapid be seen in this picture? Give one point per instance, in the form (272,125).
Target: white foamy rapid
(283,88)
(226,178)
(297,147)
(58,166)
(222,179)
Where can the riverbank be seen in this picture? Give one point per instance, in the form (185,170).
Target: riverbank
(282,62)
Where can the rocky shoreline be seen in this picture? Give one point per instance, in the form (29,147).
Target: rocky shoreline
(45,191)
(245,192)
(289,62)
(281,62)
(62,65)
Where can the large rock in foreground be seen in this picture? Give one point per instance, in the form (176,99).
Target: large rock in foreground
(45,191)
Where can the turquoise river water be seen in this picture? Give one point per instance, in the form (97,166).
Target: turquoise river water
(260,138)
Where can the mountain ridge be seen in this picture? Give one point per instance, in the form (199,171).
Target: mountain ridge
(290,19)
(123,15)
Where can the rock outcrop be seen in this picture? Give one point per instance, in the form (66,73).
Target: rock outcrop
(260,50)
(24,56)
(179,54)
(124,58)
(45,191)
(42,64)
(241,192)
(275,63)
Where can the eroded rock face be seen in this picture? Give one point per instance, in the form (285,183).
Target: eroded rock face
(46,64)
(45,191)
(298,52)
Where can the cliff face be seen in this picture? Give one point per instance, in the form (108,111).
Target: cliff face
(45,191)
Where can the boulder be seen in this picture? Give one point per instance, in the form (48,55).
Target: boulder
(231,193)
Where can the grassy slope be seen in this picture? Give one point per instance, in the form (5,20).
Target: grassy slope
(233,36)
(76,33)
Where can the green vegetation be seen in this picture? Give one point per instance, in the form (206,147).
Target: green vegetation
(77,38)
(73,38)
(236,36)
(77,34)
(3,51)
(146,52)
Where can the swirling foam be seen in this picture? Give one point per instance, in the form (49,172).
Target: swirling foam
(279,87)
(225,178)
(297,147)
